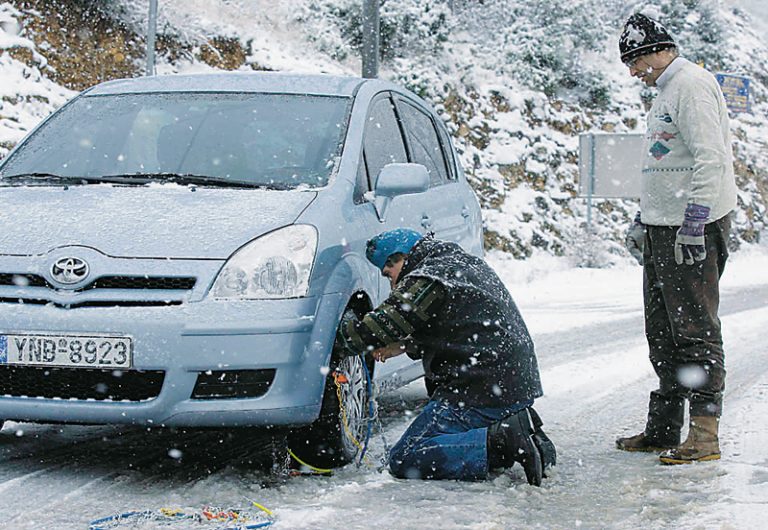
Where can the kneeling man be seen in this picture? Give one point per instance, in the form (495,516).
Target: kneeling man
(450,309)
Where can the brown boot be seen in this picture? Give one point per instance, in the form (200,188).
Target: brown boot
(662,428)
(701,445)
(639,442)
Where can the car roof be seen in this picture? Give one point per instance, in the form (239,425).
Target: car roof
(264,82)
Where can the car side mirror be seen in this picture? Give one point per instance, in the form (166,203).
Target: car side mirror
(398,179)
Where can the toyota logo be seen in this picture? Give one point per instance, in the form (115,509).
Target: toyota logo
(70,270)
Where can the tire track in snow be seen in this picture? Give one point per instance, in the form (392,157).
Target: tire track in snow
(590,362)
(602,487)
(558,347)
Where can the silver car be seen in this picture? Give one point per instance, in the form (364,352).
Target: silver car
(180,250)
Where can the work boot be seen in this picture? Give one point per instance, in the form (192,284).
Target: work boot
(511,440)
(662,428)
(701,445)
(640,442)
(543,443)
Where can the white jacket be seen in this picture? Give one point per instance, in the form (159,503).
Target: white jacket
(688,155)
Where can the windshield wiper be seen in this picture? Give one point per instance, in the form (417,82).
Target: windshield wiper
(139,179)
(45,178)
(189,179)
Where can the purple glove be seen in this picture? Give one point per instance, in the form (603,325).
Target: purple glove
(689,243)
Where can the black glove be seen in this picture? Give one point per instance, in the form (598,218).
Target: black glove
(635,239)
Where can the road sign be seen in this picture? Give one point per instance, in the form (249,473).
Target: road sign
(736,91)
(610,165)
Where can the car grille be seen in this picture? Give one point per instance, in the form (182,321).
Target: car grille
(94,303)
(103,291)
(23,280)
(228,384)
(106,282)
(80,383)
(141,282)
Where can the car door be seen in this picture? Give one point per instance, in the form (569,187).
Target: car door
(383,144)
(446,205)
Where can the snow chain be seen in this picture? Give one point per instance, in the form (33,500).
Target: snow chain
(339,379)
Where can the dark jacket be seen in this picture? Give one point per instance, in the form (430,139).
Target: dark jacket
(477,349)
(455,314)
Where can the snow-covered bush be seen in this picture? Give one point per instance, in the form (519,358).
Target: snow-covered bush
(408,27)
(588,250)
(542,47)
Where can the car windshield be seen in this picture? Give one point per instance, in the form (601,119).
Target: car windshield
(273,140)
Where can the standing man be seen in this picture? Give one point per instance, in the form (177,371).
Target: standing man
(688,190)
(449,309)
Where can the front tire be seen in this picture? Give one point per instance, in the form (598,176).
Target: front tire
(338,435)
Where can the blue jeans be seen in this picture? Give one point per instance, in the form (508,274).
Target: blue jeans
(447,442)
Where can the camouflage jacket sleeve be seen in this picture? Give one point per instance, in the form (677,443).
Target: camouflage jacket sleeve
(407,309)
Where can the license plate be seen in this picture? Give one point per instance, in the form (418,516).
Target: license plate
(77,351)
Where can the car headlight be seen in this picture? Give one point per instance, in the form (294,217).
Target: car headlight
(276,265)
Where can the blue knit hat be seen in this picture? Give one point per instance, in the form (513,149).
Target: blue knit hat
(381,247)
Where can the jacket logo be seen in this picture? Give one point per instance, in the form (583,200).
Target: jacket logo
(70,270)
(663,135)
(659,150)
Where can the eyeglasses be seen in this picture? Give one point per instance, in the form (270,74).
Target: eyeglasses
(632,63)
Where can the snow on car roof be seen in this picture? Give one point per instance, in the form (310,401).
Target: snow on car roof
(273,82)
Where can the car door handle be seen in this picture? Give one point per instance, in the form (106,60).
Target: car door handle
(426,222)
(465,212)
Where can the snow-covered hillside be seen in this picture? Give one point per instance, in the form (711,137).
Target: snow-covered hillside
(515,81)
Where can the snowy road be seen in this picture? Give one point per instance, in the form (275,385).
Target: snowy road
(588,331)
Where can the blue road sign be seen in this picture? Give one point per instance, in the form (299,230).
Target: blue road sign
(736,91)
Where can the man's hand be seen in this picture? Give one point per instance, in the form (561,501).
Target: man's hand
(389,351)
(635,239)
(689,243)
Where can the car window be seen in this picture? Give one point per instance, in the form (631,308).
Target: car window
(362,184)
(256,139)
(423,142)
(383,142)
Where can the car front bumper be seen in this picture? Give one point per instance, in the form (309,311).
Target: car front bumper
(293,337)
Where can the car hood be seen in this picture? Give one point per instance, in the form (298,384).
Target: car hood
(156,221)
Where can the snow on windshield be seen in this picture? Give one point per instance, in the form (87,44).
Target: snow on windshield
(275,140)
